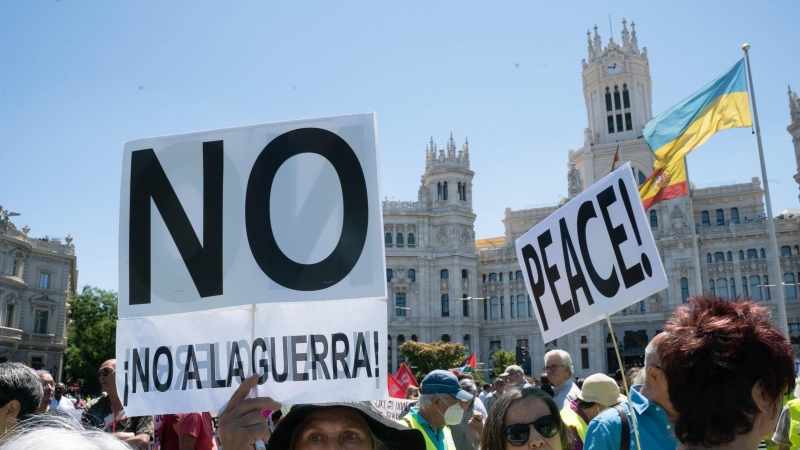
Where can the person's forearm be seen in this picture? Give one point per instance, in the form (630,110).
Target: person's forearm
(187,442)
(139,441)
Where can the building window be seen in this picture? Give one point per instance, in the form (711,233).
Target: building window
(585,358)
(414,337)
(733,288)
(642,306)
(711,287)
(530,307)
(444,190)
(722,287)
(495,311)
(789,287)
(44,280)
(400,305)
(626,101)
(521,306)
(619,122)
(752,254)
(411,241)
(744,287)
(729,256)
(387,238)
(519,275)
(617,104)
(708,258)
(445,338)
(9,319)
(706,221)
(445,274)
(628,123)
(755,288)
(510,276)
(485,310)
(465,306)
(720,217)
(40,322)
(445,305)
(763,255)
(492,276)
(766,288)
(735,215)
(484,278)
(741,255)
(786,251)
(501,276)
(399,239)
(389,275)
(719,256)
(684,289)
(653,219)
(400,341)
(464,274)
(439,187)
(412,275)
(610,124)
(609,107)
(468,344)
(502,308)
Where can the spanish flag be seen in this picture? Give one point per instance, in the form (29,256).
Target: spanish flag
(722,104)
(664,183)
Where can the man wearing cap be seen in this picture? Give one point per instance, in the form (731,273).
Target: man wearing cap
(598,393)
(516,377)
(442,402)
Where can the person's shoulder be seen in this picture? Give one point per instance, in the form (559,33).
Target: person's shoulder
(96,404)
(609,416)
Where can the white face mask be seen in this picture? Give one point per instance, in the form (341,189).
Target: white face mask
(453,414)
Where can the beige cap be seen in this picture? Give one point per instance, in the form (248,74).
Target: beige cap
(602,389)
(513,370)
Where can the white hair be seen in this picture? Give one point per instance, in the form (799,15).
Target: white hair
(59,430)
(651,357)
(425,400)
(565,358)
(467,385)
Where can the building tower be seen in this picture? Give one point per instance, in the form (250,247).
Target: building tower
(794,129)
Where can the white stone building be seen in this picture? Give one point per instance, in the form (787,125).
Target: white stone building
(37,275)
(434,264)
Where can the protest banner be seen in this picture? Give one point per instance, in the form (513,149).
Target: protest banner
(405,377)
(394,387)
(245,250)
(393,409)
(593,256)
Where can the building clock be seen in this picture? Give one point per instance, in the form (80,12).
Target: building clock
(614,68)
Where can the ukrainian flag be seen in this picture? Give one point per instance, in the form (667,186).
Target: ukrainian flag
(722,104)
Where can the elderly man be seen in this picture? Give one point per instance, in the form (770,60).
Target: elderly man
(442,402)
(654,413)
(60,401)
(558,366)
(48,386)
(107,413)
(516,377)
(499,387)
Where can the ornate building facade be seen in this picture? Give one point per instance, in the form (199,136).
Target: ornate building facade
(446,285)
(37,276)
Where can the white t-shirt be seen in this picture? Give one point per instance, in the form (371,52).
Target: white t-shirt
(65,404)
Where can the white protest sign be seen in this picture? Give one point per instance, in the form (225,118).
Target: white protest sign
(594,255)
(286,216)
(393,409)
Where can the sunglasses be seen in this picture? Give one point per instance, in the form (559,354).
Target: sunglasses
(104,372)
(518,434)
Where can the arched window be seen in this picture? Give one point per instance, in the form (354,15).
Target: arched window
(684,290)
(653,219)
(729,257)
(513,312)
(444,190)
(642,176)
(610,120)
(752,254)
(445,338)
(706,221)
(400,305)
(501,276)
(744,287)
(492,277)
(468,344)
(642,306)
(766,288)
(485,310)
(502,308)
(722,287)
(609,107)
(719,256)
(763,255)
(519,275)
(445,305)
(741,255)
(755,288)
(458,191)
(464,192)
(521,306)
(389,275)
(387,238)
(411,241)
(789,287)
(711,288)
(484,278)
(399,239)
(510,276)
(732,288)
(626,101)
(414,337)
(495,308)
(720,217)
(735,215)
(412,275)
(464,274)
(530,307)
(708,258)
(445,274)
(439,187)
(617,104)
(464,306)
(786,251)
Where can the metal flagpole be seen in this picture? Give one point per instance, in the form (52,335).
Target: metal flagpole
(770,220)
(695,244)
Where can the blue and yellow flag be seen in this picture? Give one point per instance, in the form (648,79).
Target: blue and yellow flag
(722,104)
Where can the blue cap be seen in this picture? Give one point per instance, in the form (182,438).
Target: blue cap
(443,382)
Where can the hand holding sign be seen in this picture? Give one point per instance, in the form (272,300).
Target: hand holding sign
(241,423)
(593,256)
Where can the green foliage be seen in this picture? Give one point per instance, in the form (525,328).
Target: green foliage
(503,359)
(92,334)
(423,358)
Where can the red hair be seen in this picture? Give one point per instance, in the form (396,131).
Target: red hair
(712,355)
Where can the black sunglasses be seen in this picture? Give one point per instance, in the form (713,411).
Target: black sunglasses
(518,434)
(104,372)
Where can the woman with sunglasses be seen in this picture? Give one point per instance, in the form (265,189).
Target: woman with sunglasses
(525,418)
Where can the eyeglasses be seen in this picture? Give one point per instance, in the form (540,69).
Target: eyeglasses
(553,367)
(104,372)
(518,434)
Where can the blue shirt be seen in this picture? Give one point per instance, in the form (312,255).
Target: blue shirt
(656,432)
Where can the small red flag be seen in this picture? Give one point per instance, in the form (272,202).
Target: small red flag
(616,159)
(405,377)
(395,390)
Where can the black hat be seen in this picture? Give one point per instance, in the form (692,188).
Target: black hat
(394,435)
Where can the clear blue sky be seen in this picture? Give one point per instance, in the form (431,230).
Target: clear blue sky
(80,78)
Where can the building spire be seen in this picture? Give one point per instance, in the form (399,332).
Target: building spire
(598,44)
(625,38)
(634,41)
(589,45)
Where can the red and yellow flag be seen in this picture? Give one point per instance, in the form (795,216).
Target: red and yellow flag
(665,183)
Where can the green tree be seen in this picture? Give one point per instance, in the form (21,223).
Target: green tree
(423,358)
(502,359)
(92,334)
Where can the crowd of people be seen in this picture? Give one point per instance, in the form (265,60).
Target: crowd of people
(720,375)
